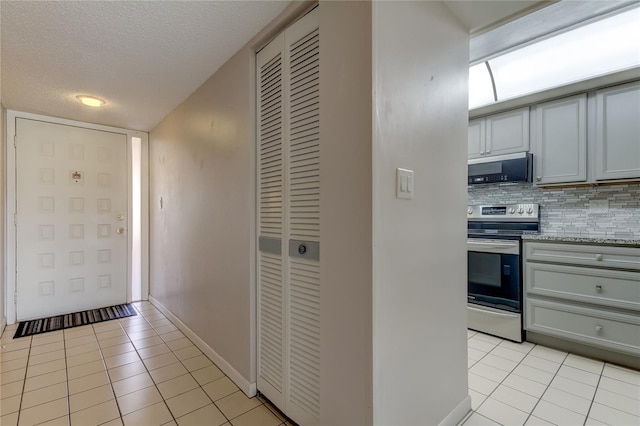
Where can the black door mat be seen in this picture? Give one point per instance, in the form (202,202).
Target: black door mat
(60,322)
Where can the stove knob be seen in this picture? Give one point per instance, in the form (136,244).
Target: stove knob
(470,210)
(530,210)
(512,211)
(520,210)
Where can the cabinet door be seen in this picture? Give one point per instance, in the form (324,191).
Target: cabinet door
(561,140)
(476,138)
(507,132)
(617,140)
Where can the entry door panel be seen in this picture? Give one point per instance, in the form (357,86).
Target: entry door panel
(71,219)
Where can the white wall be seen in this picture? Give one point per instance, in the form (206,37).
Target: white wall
(420,62)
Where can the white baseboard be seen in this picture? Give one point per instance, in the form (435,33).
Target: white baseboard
(456,415)
(247,387)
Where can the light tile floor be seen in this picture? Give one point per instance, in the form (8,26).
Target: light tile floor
(135,371)
(522,383)
(143,371)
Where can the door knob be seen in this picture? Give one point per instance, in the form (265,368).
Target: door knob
(120,230)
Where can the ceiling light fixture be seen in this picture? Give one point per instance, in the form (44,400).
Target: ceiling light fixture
(91,101)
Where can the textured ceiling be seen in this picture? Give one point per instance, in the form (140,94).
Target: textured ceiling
(142,57)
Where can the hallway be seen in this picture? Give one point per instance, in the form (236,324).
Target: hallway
(135,371)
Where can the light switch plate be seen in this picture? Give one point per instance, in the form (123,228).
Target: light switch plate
(404,184)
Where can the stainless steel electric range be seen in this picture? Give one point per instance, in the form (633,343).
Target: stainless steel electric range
(494,259)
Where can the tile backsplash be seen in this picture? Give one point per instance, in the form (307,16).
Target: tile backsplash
(567,212)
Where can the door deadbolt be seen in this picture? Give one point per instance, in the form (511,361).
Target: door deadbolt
(302,249)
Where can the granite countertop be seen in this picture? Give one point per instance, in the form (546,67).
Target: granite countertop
(581,240)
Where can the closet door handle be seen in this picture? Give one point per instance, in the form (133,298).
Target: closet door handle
(309,250)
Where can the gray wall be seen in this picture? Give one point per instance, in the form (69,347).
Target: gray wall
(565,211)
(346,256)
(201,166)
(3,284)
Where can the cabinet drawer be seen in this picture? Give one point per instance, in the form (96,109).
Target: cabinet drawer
(584,255)
(620,289)
(618,332)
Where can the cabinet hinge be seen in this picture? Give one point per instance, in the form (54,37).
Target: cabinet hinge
(15,219)
(15,297)
(15,141)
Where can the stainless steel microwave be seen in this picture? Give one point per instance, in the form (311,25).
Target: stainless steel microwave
(501,168)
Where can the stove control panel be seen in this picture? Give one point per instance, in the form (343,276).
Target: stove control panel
(505,212)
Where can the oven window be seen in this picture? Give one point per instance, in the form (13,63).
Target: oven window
(484,269)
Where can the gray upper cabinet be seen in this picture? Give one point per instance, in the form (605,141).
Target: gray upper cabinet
(498,134)
(617,133)
(476,138)
(560,140)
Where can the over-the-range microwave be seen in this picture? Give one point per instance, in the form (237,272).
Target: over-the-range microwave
(501,168)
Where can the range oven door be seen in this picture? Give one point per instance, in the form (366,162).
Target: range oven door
(494,273)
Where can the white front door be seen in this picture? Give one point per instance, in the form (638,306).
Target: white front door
(71,190)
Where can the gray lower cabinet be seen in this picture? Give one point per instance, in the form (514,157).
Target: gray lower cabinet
(584,293)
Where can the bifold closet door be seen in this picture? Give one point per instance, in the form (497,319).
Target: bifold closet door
(289,220)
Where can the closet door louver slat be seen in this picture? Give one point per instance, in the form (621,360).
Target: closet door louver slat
(271,303)
(289,212)
(304,222)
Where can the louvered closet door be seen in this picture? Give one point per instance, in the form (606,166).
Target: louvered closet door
(289,221)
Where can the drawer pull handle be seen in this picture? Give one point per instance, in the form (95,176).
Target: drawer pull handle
(599,288)
(598,257)
(598,329)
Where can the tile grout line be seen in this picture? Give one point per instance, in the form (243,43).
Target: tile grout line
(595,392)
(181,363)
(66,372)
(502,381)
(106,370)
(189,372)
(214,402)
(546,388)
(24,381)
(173,418)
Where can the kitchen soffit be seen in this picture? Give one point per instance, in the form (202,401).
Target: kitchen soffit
(603,44)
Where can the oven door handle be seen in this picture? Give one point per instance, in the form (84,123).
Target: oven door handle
(493,247)
(497,314)
(492,244)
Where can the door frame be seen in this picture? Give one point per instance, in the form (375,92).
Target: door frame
(10,200)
